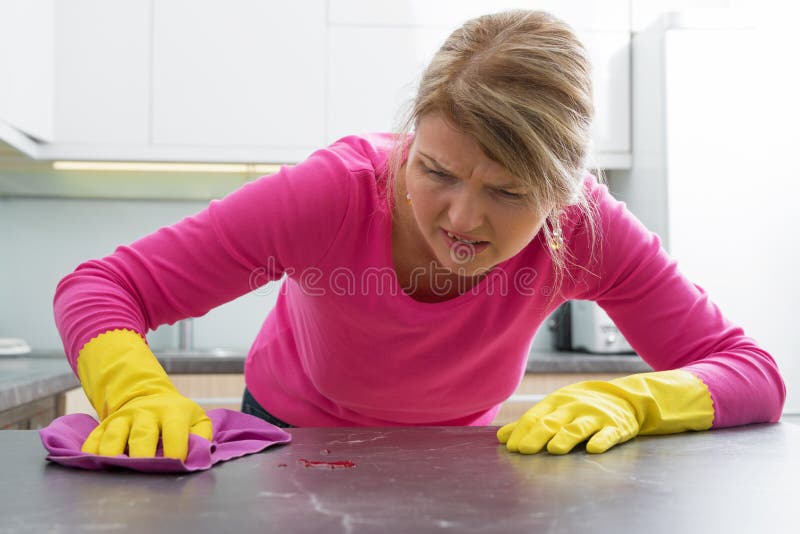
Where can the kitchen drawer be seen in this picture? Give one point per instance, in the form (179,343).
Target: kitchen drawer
(534,387)
(30,416)
(225,391)
(212,391)
(208,390)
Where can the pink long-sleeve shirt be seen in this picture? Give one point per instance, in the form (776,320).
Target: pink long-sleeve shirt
(345,346)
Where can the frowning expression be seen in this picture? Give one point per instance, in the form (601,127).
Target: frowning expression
(470,212)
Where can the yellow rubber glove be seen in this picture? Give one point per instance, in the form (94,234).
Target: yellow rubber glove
(608,413)
(135,400)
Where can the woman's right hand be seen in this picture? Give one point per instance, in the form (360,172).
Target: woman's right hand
(135,400)
(141,421)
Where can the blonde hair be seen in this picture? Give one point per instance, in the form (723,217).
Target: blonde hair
(519,83)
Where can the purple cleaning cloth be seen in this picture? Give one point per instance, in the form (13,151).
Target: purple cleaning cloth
(235,434)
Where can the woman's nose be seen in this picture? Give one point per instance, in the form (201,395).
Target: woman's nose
(465,212)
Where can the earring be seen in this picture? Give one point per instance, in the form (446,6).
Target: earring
(556,237)
(408,198)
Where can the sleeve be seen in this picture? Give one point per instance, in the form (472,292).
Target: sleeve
(669,321)
(274,225)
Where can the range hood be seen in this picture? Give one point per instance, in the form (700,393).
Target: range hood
(15,144)
(27,171)
(21,150)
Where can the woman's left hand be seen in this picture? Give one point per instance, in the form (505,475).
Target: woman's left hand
(608,413)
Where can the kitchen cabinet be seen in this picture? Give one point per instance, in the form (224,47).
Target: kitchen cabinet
(26,67)
(536,386)
(225,391)
(167,80)
(240,73)
(208,390)
(78,72)
(32,390)
(102,73)
(212,391)
(250,81)
(32,415)
(373,73)
(376,57)
(607,15)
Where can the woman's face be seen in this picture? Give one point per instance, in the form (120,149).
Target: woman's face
(458,192)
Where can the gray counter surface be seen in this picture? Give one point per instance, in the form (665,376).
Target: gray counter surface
(424,480)
(582,362)
(38,375)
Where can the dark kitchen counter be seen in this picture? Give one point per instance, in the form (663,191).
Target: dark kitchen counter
(424,480)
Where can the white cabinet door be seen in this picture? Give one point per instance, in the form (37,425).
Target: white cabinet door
(374,72)
(26,66)
(611,65)
(102,72)
(606,15)
(240,73)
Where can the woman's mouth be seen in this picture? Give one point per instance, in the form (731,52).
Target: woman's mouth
(463,249)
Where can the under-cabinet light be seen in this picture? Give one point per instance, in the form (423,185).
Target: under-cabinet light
(247,168)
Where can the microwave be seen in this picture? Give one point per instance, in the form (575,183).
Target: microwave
(582,325)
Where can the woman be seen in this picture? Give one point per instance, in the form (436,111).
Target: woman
(419,267)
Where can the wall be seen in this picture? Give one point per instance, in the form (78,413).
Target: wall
(43,239)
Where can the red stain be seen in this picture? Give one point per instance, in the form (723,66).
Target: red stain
(343,464)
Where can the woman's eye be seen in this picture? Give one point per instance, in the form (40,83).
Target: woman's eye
(509,194)
(438,174)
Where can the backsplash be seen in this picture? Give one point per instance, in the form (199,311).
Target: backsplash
(45,239)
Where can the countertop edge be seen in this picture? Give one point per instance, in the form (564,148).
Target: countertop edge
(36,385)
